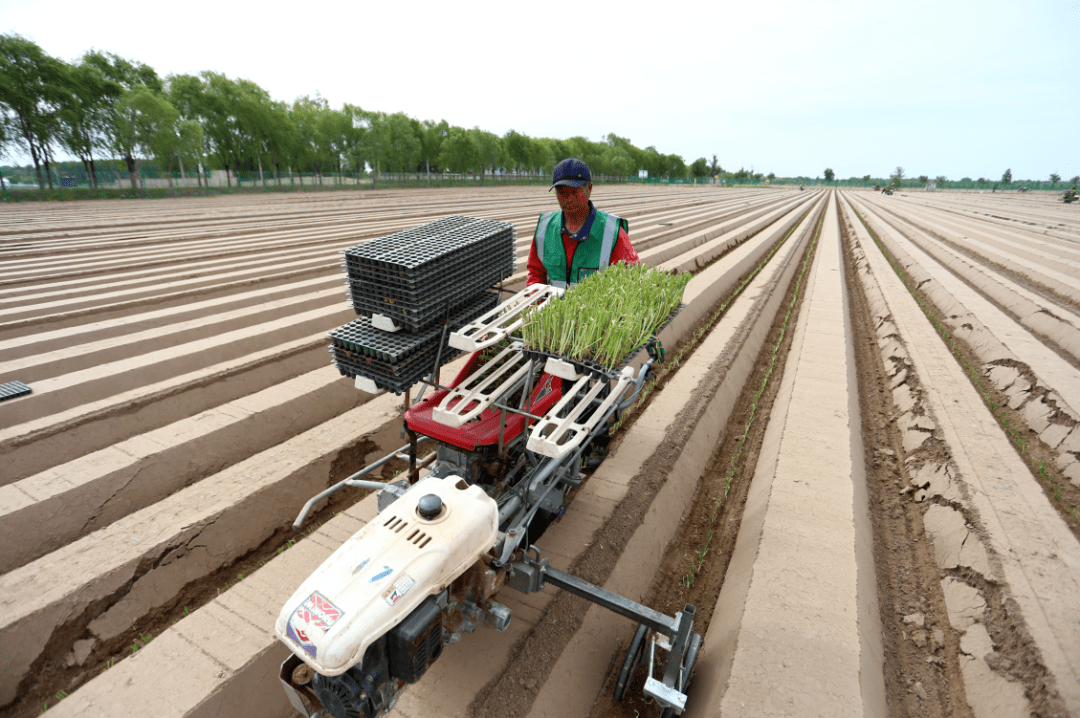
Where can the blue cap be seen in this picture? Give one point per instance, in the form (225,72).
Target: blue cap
(571,172)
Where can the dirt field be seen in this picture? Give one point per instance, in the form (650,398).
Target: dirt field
(861,461)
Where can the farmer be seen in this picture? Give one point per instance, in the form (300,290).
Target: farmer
(581,239)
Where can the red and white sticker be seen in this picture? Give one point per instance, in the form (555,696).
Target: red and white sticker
(399,589)
(318,611)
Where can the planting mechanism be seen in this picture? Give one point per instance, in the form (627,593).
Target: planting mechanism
(511,433)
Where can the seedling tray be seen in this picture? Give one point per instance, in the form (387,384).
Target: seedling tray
(359,337)
(12,389)
(395,361)
(414,276)
(416,313)
(594,368)
(433,243)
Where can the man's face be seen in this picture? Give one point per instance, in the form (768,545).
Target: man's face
(573,200)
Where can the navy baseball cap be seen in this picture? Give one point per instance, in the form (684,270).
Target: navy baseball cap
(571,172)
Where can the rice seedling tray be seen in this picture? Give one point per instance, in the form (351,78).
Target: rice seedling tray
(396,378)
(12,389)
(595,369)
(452,279)
(440,243)
(416,311)
(395,361)
(359,337)
(498,247)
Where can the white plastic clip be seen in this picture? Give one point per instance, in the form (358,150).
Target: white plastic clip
(381,321)
(497,323)
(368,385)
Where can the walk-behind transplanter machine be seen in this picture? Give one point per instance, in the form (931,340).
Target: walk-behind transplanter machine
(510,443)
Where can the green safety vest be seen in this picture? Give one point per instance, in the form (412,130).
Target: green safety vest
(592,255)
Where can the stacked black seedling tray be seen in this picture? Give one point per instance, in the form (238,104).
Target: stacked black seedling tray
(12,389)
(397,360)
(416,276)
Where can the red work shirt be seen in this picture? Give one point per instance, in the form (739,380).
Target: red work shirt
(623,251)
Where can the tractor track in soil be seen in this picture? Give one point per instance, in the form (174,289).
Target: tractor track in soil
(923,673)
(670,592)
(512,694)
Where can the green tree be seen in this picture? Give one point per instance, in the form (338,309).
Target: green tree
(1054,178)
(517,150)
(771,176)
(897,177)
(829,174)
(544,153)
(699,168)
(460,152)
(490,150)
(33,92)
(84,117)
(431,141)
(1007,177)
(145,125)
(714,167)
(618,161)
(121,76)
(923,179)
(403,146)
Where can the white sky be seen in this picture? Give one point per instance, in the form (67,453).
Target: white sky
(938,87)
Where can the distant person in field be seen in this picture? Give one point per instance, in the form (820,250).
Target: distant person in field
(571,244)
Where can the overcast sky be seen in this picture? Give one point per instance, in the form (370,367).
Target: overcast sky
(940,88)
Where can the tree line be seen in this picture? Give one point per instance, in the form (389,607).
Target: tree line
(106,107)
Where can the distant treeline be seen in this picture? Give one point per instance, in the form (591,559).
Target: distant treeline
(105,106)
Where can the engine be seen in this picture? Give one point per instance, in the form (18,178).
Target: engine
(379,611)
(401,656)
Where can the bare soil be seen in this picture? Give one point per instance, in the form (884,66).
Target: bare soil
(54,674)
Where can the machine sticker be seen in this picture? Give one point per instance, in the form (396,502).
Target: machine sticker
(381,574)
(301,639)
(318,611)
(399,589)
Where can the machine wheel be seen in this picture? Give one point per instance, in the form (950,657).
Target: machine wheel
(631,662)
(688,671)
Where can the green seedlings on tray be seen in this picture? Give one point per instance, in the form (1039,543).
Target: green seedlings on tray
(607,315)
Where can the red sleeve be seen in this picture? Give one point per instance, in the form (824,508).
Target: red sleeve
(537,273)
(623,251)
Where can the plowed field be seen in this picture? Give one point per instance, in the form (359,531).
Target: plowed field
(860,461)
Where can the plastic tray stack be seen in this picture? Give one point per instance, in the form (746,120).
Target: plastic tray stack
(397,360)
(417,276)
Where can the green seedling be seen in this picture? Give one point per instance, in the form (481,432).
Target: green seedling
(606,315)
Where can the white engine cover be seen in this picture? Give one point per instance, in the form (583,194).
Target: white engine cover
(383,572)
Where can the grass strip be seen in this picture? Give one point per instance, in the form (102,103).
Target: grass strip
(699,560)
(1008,421)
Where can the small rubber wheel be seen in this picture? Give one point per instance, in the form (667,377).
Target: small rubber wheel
(631,662)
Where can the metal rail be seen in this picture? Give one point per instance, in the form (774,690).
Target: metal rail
(352,481)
